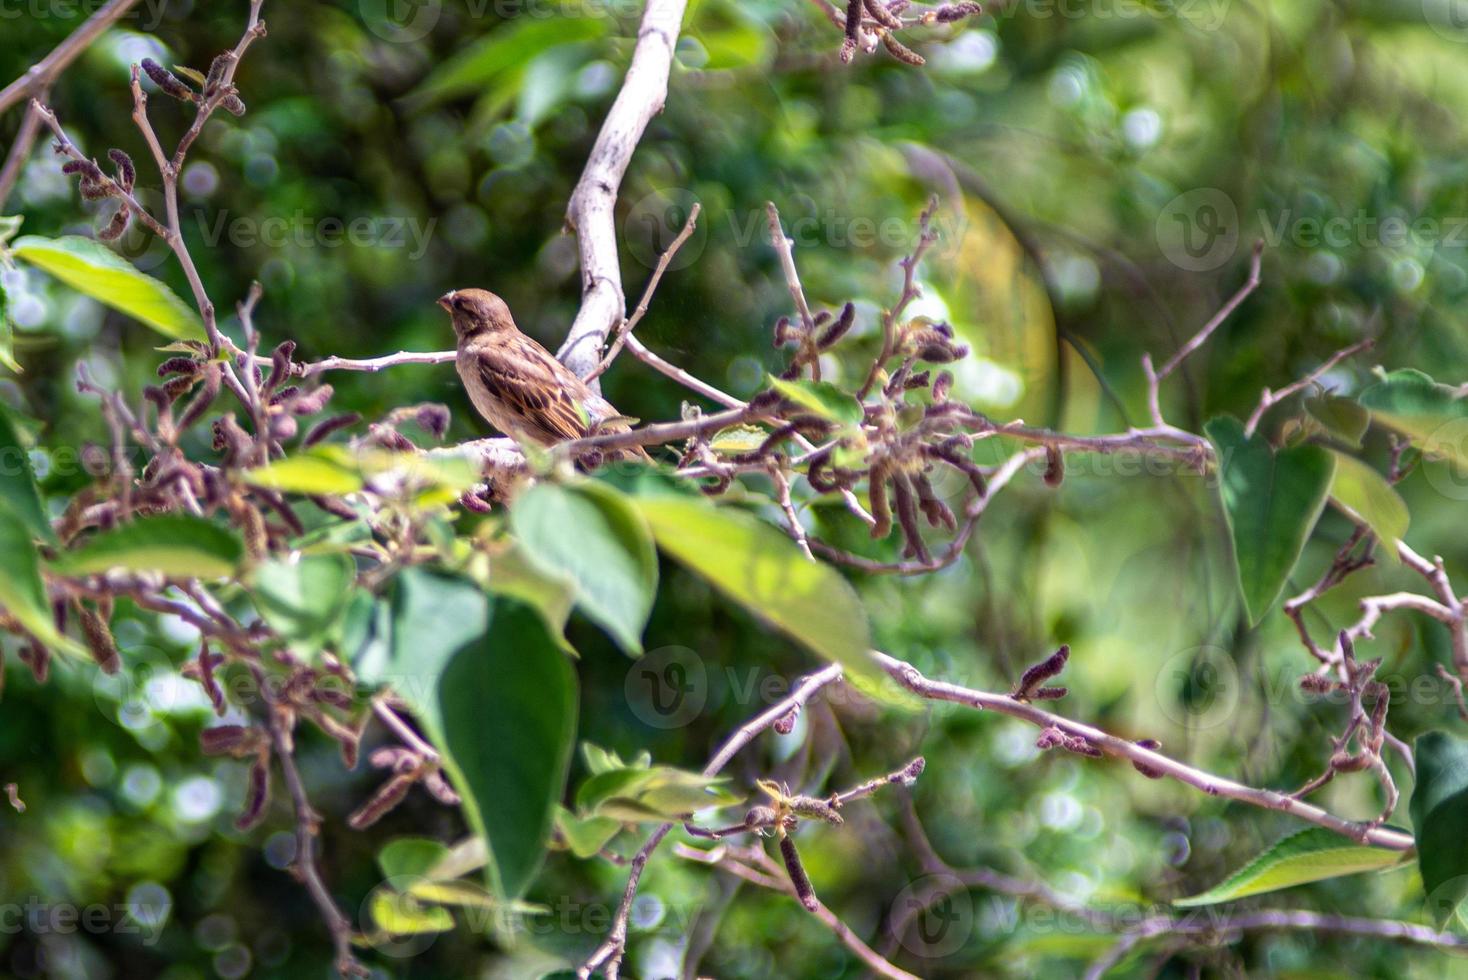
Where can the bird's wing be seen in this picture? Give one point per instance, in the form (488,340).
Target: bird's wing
(534,386)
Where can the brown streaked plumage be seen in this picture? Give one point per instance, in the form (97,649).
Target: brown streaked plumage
(515,383)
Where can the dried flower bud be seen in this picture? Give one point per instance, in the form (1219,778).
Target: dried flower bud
(233,105)
(439,788)
(178,365)
(853,30)
(99,639)
(117,226)
(839,329)
(785,724)
(167,81)
(882,15)
(394,757)
(1143,768)
(949,13)
(759,816)
(257,798)
(1054,466)
(280,363)
(388,796)
(434,419)
(798,877)
(913,770)
(203,399)
(902,53)
(1316,683)
(217,69)
(326,427)
(283,428)
(127,174)
(389,438)
(1037,674)
(881,510)
(236,740)
(312,402)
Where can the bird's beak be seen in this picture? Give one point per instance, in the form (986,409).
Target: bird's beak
(447,300)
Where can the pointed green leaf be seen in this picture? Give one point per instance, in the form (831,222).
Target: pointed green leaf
(22,591)
(1433,416)
(410,857)
(821,398)
(1310,855)
(585,837)
(323,469)
(503,715)
(303,599)
(94,270)
(400,914)
(178,545)
(1271,500)
(7,333)
(18,481)
(589,535)
(1367,494)
(1342,417)
(1439,809)
(500,54)
(763,570)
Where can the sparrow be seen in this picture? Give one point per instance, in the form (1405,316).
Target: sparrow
(519,386)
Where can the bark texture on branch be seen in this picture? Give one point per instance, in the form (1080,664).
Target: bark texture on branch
(591,212)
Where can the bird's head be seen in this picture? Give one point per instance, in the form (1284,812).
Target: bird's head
(474,310)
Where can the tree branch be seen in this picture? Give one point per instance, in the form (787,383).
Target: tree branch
(590,213)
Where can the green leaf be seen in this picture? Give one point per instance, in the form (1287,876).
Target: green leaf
(7,331)
(591,536)
(1309,855)
(763,570)
(433,616)
(585,837)
(94,270)
(324,469)
(503,715)
(1366,493)
(1433,416)
(22,591)
(1439,809)
(400,914)
(501,54)
(511,574)
(18,481)
(738,439)
(1271,500)
(656,793)
(411,857)
(1342,417)
(303,599)
(821,398)
(178,545)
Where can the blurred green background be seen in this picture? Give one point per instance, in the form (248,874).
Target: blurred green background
(1103,167)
